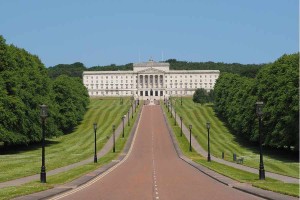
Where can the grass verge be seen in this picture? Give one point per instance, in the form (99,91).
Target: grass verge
(236,174)
(64,177)
(222,140)
(73,147)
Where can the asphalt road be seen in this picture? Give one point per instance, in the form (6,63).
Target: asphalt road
(154,171)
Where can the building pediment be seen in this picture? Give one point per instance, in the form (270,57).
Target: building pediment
(151,70)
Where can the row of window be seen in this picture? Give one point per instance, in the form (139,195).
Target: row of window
(146,82)
(166,76)
(103,93)
(126,86)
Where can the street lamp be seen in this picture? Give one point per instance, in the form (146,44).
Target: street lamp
(114,147)
(171,108)
(259,113)
(181,100)
(123,118)
(208,147)
(131,110)
(168,106)
(181,126)
(128,117)
(175,117)
(190,126)
(43,115)
(95,146)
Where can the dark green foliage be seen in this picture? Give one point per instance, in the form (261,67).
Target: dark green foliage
(72,99)
(277,86)
(73,70)
(200,96)
(249,70)
(112,67)
(24,85)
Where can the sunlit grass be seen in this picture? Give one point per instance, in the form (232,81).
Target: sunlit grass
(66,149)
(222,140)
(64,177)
(236,174)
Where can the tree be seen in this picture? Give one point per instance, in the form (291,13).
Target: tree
(277,87)
(200,96)
(72,99)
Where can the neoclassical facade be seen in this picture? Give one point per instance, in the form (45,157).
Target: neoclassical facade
(149,80)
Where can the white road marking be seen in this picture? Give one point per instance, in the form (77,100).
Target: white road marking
(154,167)
(106,172)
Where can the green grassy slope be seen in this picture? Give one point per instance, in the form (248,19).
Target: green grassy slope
(64,177)
(69,148)
(223,141)
(233,173)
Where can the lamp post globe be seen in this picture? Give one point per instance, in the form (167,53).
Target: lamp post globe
(208,141)
(259,113)
(43,115)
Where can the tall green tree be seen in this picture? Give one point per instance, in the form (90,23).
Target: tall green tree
(200,96)
(278,88)
(72,99)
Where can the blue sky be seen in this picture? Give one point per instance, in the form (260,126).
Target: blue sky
(108,31)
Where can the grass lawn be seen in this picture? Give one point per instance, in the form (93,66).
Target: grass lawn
(69,148)
(61,178)
(236,174)
(223,141)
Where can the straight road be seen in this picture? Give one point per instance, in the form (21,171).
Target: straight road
(154,171)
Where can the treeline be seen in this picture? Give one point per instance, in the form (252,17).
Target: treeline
(249,70)
(276,84)
(72,70)
(24,85)
(76,69)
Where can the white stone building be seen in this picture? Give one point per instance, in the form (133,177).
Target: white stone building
(149,80)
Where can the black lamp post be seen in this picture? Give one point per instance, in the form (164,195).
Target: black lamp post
(128,117)
(131,110)
(259,113)
(175,116)
(95,146)
(135,106)
(114,138)
(181,126)
(208,147)
(43,115)
(181,100)
(190,126)
(171,108)
(123,118)
(168,106)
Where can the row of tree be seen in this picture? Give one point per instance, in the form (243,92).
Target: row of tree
(76,69)
(24,85)
(276,84)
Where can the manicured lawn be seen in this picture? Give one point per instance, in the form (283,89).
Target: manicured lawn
(69,148)
(61,178)
(223,141)
(236,174)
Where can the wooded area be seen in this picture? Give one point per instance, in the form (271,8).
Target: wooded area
(276,85)
(24,85)
(76,69)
